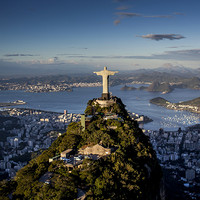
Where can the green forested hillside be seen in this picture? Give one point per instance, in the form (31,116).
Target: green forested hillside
(130,172)
(193,102)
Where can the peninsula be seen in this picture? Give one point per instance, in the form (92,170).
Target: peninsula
(191,105)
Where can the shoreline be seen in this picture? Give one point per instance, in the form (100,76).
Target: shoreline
(32,109)
(16,103)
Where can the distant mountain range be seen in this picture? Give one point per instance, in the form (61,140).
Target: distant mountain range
(22,71)
(178,70)
(163,79)
(166,87)
(167,73)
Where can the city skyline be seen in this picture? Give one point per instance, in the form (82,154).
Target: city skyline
(122,34)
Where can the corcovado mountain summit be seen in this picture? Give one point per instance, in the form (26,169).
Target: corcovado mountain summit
(104,156)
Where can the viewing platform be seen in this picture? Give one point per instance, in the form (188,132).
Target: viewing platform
(105,103)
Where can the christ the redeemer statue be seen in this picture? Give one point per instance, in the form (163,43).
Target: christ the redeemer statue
(105,76)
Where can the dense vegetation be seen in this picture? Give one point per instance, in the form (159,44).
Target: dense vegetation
(131,172)
(193,102)
(159,101)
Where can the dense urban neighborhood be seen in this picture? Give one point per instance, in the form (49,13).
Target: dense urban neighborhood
(24,131)
(44,87)
(178,153)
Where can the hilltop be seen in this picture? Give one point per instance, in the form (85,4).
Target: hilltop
(108,158)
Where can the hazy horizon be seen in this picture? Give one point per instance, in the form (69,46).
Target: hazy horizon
(78,36)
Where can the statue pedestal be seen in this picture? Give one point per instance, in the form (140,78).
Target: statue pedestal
(105,96)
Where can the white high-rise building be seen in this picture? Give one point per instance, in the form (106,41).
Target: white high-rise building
(16,142)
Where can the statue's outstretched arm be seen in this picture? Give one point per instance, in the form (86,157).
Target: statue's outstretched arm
(98,73)
(112,72)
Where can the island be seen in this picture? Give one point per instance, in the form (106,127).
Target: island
(191,105)
(155,86)
(125,88)
(160,87)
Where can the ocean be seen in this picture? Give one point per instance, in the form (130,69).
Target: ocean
(136,101)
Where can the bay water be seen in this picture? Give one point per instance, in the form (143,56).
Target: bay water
(136,101)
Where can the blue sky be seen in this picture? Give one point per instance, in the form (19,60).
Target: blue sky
(78,34)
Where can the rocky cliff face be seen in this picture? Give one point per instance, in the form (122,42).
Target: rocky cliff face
(159,87)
